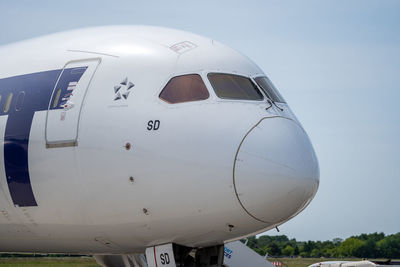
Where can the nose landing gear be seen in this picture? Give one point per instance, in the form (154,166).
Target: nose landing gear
(181,256)
(210,256)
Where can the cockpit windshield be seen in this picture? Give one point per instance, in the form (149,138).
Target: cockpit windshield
(269,89)
(230,86)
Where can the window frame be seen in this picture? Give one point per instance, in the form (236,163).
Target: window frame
(264,93)
(264,97)
(20,94)
(173,105)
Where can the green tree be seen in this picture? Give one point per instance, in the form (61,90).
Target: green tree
(315,253)
(273,249)
(251,242)
(389,247)
(331,253)
(351,247)
(369,250)
(288,251)
(374,236)
(259,251)
(296,251)
(336,241)
(308,246)
(374,245)
(304,254)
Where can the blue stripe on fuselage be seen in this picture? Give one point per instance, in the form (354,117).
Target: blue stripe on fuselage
(38,88)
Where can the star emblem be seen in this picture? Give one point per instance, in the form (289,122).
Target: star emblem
(123,89)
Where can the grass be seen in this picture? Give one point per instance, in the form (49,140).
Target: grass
(49,262)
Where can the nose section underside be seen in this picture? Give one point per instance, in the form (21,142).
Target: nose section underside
(276,172)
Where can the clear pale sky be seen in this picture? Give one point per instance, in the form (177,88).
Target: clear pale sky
(337,63)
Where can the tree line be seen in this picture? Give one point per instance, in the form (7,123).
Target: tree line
(375,245)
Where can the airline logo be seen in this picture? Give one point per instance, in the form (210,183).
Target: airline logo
(228,252)
(123,89)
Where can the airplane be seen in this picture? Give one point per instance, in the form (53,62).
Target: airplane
(124,140)
(362,263)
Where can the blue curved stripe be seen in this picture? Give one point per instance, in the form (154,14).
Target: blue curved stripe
(38,88)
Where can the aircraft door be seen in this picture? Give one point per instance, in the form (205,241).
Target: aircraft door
(66,102)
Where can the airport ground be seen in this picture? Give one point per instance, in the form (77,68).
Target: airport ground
(90,262)
(49,262)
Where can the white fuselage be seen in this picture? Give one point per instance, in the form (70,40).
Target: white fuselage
(111,175)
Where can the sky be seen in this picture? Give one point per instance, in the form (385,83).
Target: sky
(337,63)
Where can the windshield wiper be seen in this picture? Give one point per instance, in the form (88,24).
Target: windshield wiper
(272,103)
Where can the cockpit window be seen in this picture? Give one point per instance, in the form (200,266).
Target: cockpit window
(184,88)
(229,86)
(269,89)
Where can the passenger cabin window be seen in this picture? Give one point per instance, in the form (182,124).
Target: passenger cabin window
(229,86)
(184,88)
(8,102)
(269,89)
(20,101)
(56,98)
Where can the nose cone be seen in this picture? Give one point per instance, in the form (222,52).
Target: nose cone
(276,172)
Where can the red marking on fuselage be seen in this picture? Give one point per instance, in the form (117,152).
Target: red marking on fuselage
(155,257)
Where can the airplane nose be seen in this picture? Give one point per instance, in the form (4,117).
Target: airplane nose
(276,172)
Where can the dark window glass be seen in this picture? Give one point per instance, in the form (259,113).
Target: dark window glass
(269,89)
(20,101)
(184,88)
(231,86)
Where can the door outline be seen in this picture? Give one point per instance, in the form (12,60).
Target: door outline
(69,143)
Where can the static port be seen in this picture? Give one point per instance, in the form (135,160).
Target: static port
(128,146)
